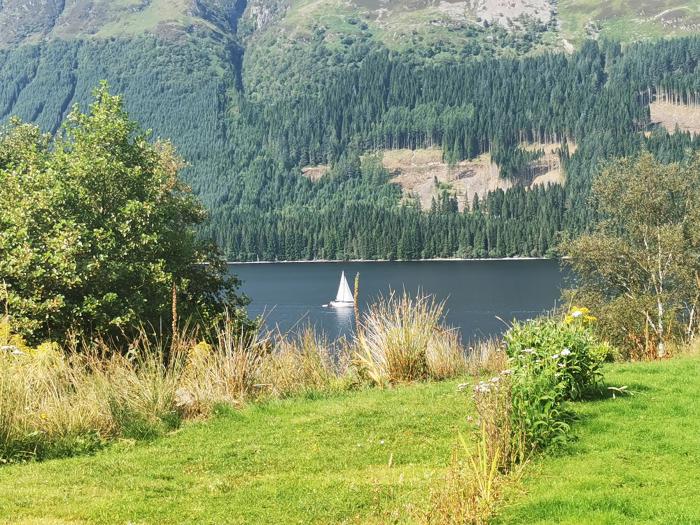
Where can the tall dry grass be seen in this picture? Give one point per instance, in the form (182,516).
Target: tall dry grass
(57,402)
(481,470)
(487,357)
(305,364)
(471,490)
(224,371)
(60,401)
(402,339)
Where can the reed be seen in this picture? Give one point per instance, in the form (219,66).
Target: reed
(403,339)
(303,364)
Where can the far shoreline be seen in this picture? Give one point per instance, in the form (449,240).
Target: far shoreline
(438,259)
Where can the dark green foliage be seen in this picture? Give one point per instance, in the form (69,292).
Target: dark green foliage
(98,232)
(314,104)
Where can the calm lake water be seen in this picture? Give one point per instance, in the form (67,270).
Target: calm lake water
(477,293)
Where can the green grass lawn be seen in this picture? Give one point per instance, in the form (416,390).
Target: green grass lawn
(370,456)
(361,457)
(636,459)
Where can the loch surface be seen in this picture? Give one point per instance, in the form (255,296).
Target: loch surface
(476,293)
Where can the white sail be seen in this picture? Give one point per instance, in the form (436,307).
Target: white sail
(344,294)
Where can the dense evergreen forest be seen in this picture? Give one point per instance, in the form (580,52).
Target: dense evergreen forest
(246,146)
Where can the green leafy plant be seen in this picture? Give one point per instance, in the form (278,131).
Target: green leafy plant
(568,348)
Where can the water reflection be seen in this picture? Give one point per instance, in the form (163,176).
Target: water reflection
(477,293)
(345,320)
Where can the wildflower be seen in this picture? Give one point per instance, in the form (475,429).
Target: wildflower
(495,380)
(528,351)
(482,388)
(44,416)
(506,372)
(555,356)
(462,387)
(199,352)
(582,314)
(561,365)
(565,352)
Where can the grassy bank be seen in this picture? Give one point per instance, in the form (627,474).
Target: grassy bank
(360,457)
(372,456)
(57,402)
(635,460)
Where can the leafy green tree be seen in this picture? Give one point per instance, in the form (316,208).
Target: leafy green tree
(97,232)
(639,269)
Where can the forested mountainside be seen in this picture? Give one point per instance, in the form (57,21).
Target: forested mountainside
(288,113)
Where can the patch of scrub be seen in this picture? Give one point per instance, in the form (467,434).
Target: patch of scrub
(501,11)
(314,173)
(626,20)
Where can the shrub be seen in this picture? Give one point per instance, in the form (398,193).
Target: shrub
(98,230)
(402,339)
(567,348)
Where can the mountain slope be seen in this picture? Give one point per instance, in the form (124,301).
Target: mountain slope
(256,95)
(23,21)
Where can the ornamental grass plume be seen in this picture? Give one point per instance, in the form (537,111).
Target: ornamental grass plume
(403,339)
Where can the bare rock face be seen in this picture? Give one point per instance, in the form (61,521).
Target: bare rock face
(262,13)
(224,14)
(27,19)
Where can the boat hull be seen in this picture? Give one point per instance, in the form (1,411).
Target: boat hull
(341,304)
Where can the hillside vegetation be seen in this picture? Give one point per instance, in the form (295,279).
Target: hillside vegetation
(627,20)
(56,19)
(254,95)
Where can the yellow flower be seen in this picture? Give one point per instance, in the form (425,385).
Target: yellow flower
(48,354)
(199,352)
(581,314)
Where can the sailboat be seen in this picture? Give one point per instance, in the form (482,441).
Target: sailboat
(344,296)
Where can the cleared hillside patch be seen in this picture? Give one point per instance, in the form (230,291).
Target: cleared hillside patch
(676,116)
(423,174)
(548,169)
(314,173)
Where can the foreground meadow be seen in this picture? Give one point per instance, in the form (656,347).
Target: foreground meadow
(373,456)
(358,457)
